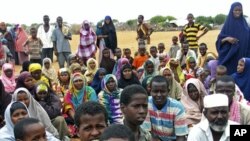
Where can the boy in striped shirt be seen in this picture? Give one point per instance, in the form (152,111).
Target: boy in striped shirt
(165,115)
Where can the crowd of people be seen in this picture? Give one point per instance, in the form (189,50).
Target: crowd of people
(185,93)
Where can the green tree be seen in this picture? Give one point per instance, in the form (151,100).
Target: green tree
(170,18)
(131,22)
(220,19)
(157,19)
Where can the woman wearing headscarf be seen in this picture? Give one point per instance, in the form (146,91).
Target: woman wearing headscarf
(53,106)
(96,84)
(21,38)
(175,89)
(8,78)
(107,62)
(233,41)
(77,94)
(49,71)
(117,68)
(64,80)
(13,109)
(87,46)
(35,109)
(92,67)
(148,70)
(109,97)
(109,32)
(176,68)
(5,99)
(35,70)
(192,100)
(241,77)
(25,80)
(127,77)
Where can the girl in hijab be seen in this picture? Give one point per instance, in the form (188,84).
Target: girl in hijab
(117,69)
(5,99)
(8,78)
(109,32)
(87,46)
(25,80)
(107,62)
(148,70)
(35,70)
(109,97)
(35,109)
(49,71)
(53,106)
(64,80)
(233,41)
(77,94)
(127,77)
(192,100)
(96,84)
(175,89)
(241,77)
(191,70)
(176,68)
(91,70)
(15,112)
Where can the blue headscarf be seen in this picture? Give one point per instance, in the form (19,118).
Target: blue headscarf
(242,79)
(229,54)
(96,84)
(107,18)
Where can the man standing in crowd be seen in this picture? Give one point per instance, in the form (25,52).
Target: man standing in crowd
(60,37)
(190,32)
(45,33)
(143,30)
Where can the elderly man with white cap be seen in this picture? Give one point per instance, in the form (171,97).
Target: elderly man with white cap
(216,125)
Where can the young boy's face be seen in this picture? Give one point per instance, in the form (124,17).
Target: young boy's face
(118,53)
(203,50)
(174,40)
(35,132)
(159,93)
(153,52)
(127,53)
(161,48)
(33,33)
(142,51)
(136,111)
(91,127)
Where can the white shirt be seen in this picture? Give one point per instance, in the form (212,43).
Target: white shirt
(190,53)
(46,36)
(202,132)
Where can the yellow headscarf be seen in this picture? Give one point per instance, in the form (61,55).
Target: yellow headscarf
(34,67)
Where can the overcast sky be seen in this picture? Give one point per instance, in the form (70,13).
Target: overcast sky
(75,11)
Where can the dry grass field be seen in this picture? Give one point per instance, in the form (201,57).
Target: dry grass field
(126,39)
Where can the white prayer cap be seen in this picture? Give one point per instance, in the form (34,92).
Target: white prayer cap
(215,100)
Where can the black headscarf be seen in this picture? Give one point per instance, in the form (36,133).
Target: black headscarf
(122,82)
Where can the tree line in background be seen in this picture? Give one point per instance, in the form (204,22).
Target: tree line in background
(159,23)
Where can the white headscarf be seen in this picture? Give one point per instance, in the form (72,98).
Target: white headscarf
(37,111)
(7,132)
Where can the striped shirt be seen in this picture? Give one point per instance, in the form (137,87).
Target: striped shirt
(191,34)
(168,122)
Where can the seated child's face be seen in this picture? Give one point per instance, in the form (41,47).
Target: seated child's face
(174,40)
(118,53)
(161,48)
(101,75)
(47,65)
(142,51)
(92,65)
(150,68)
(220,72)
(127,53)
(153,52)
(35,132)
(37,74)
(111,86)
(106,53)
(91,126)
(203,50)
(192,64)
(64,77)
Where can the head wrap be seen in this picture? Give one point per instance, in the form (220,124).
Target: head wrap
(215,100)
(34,67)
